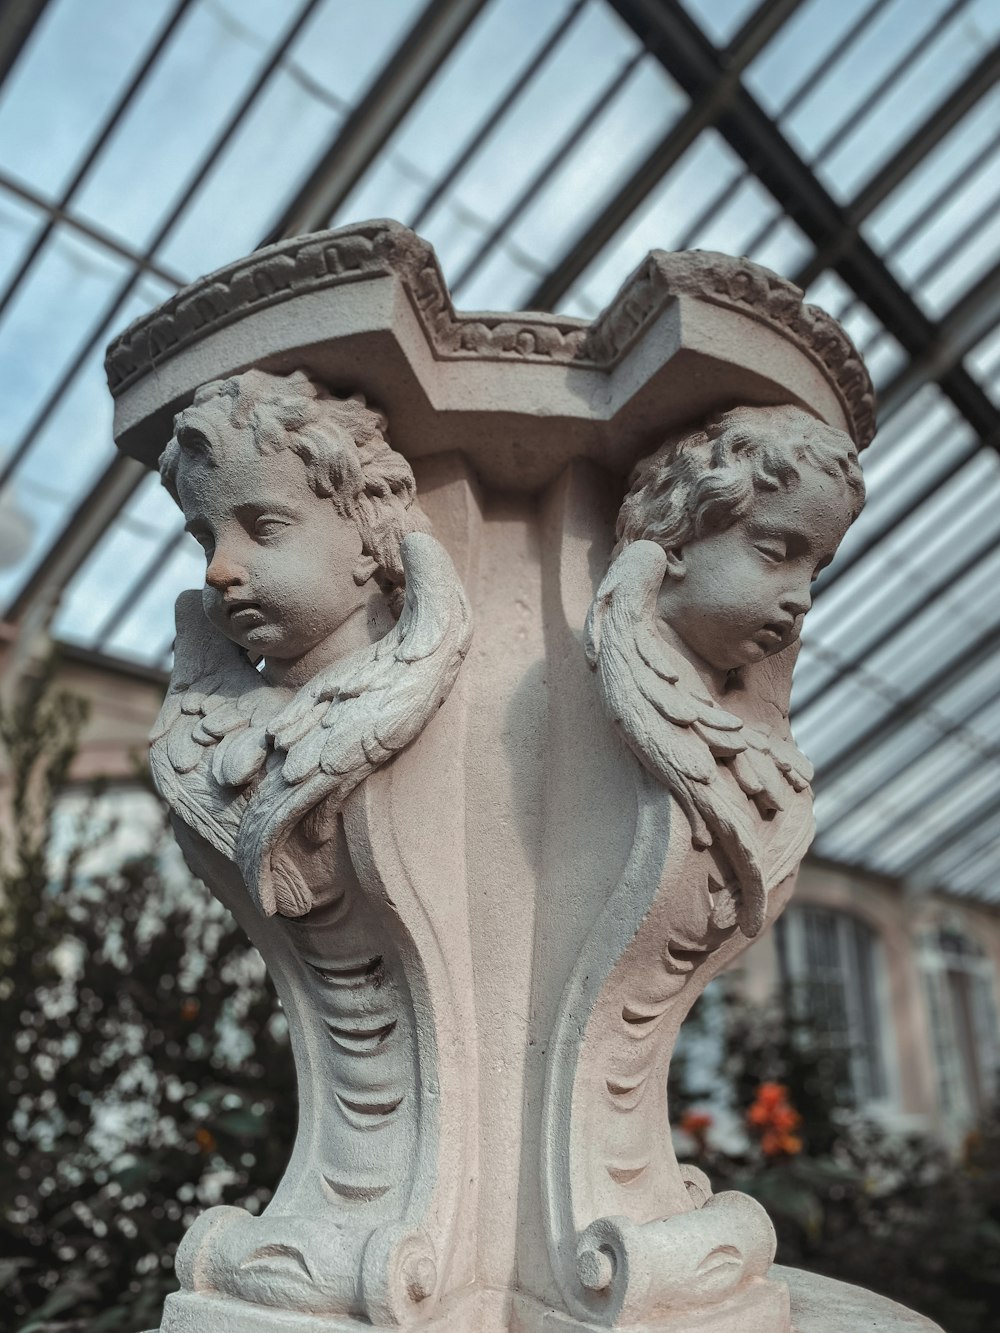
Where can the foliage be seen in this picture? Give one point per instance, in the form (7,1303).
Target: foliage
(849,1198)
(149,1066)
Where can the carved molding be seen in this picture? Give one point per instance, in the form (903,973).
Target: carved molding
(737,284)
(384,248)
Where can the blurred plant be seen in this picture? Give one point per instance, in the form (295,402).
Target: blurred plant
(891,1212)
(148,1069)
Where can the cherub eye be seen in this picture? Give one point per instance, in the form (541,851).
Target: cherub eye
(772,550)
(268,525)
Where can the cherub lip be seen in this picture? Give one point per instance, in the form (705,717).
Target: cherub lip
(234,609)
(777,627)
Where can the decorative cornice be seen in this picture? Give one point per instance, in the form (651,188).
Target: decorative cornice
(737,284)
(384,248)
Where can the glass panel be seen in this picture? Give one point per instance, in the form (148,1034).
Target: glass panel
(969,793)
(934,181)
(606,155)
(896,572)
(20,223)
(720,19)
(458,102)
(907,579)
(883,354)
(42,135)
(344,45)
(798,47)
(516,149)
(270,154)
(658,222)
(140,634)
(44,324)
(907,101)
(957,716)
(69,452)
(984,363)
(142,526)
(187,98)
(870,99)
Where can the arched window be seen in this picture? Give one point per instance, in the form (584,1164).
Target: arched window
(831,965)
(959,983)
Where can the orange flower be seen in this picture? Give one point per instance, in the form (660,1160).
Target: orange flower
(189,1009)
(772,1094)
(205,1139)
(774,1116)
(696,1122)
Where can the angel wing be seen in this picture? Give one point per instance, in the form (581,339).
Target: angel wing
(724,775)
(351,718)
(209,742)
(241,766)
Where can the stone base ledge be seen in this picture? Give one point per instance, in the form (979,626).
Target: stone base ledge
(823,1305)
(207,1312)
(818,1305)
(762,1308)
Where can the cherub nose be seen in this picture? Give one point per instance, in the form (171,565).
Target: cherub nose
(797,601)
(223,573)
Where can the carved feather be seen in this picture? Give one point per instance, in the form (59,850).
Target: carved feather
(724,774)
(221,728)
(364,710)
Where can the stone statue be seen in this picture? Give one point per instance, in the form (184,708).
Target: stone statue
(490,872)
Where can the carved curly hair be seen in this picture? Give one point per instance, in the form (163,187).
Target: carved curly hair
(342,443)
(704,482)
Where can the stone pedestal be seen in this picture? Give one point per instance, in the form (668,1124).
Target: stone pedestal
(514,779)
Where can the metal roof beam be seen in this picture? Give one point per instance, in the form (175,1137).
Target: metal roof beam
(874,736)
(90,520)
(980,551)
(906,159)
(953,729)
(700,115)
(693,61)
(417,58)
(17,22)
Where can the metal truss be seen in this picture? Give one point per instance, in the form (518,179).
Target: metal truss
(712,79)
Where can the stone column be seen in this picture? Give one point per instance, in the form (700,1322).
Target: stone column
(480,729)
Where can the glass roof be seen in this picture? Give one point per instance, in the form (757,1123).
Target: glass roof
(553,144)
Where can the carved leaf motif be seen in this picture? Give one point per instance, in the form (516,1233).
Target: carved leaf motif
(725,775)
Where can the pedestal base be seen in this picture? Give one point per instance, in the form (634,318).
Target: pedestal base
(762,1308)
(823,1305)
(818,1305)
(196,1312)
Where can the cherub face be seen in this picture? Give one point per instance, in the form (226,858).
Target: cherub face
(739,595)
(281,559)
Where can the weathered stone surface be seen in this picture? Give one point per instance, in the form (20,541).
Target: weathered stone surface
(482,734)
